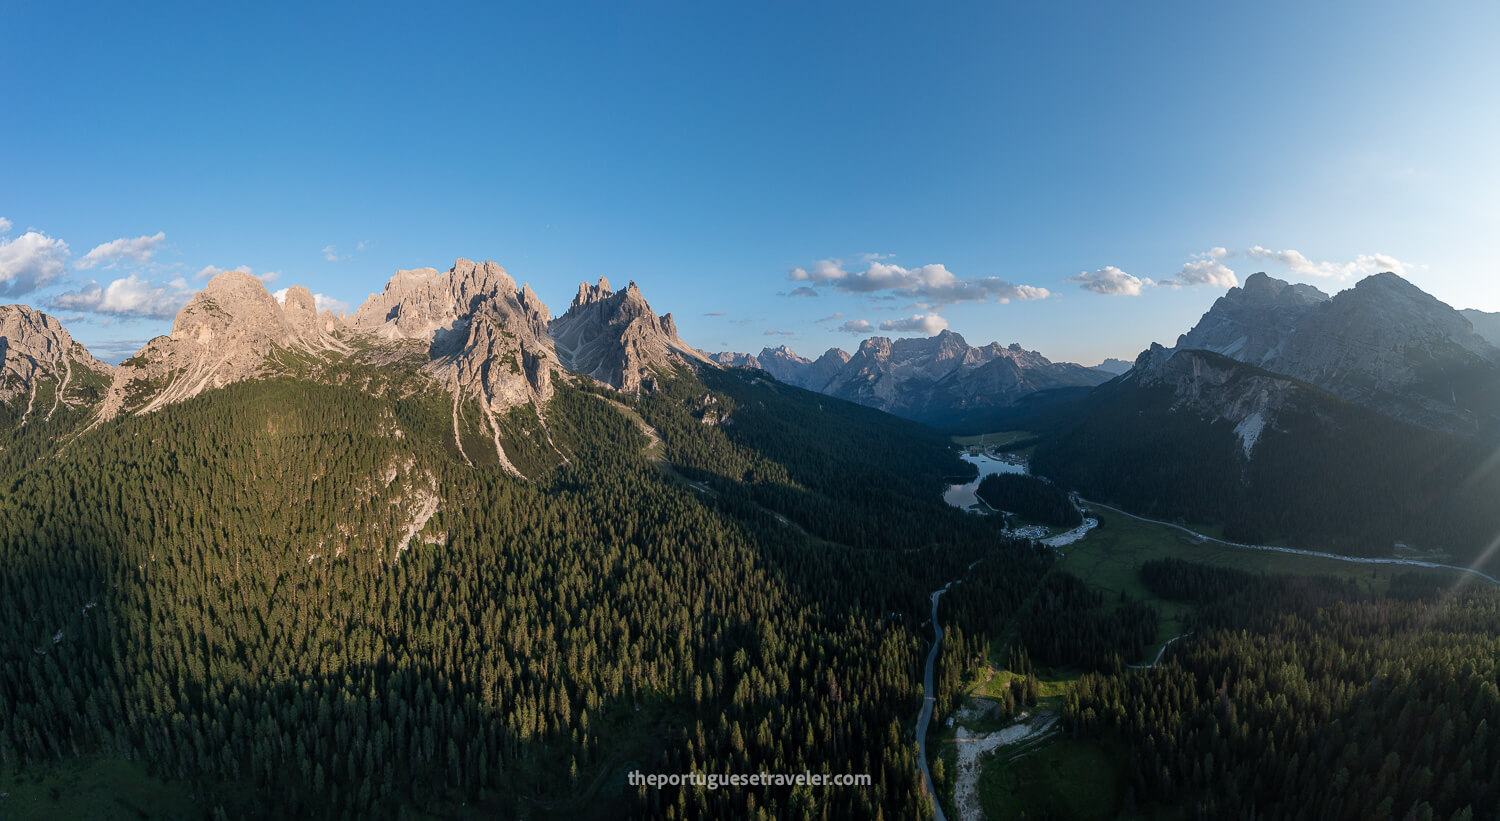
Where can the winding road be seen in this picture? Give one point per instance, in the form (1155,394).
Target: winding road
(1313,553)
(928,701)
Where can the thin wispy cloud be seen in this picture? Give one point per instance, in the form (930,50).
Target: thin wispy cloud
(714,313)
(5,226)
(831,317)
(138,250)
(1298,263)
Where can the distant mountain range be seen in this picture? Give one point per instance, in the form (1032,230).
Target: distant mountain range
(939,380)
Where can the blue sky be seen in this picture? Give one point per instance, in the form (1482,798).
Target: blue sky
(942,155)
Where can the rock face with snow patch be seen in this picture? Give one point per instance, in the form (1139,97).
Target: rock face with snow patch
(35,348)
(616,339)
(1384,344)
(1216,388)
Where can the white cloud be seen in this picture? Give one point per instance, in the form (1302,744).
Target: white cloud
(1111,281)
(855,326)
(1204,272)
(824,270)
(330,253)
(138,250)
(933,283)
(4,226)
(30,261)
(1363,265)
(129,297)
(922,323)
(328,303)
(1205,269)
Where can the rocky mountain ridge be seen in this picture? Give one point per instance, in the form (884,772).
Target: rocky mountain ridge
(470,331)
(1384,344)
(933,379)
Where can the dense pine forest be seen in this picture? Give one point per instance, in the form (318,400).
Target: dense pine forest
(293,597)
(1303,698)
(1030,497)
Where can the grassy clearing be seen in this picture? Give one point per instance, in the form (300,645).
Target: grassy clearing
(1067,779)
(1110,557)
(1003,437)
(92,787)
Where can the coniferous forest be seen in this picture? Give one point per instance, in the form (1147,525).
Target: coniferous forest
(1300,697)
(1030,497)
(292,597)
(297,597)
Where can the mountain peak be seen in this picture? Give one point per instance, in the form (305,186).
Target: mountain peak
(590,294)
(616,339)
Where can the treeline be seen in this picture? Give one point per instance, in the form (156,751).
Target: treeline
(1031,498)
(1305,698)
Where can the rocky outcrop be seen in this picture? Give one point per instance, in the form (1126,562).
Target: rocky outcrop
(1384,344)
(484,336)
(34,349)
(225,334)
(1217,388)
(933,379)
(615,338)
(784,364)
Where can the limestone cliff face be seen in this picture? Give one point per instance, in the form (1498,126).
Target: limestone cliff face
(616,339)
(485,337)
(36,349)
(1218,388)
(223,335)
